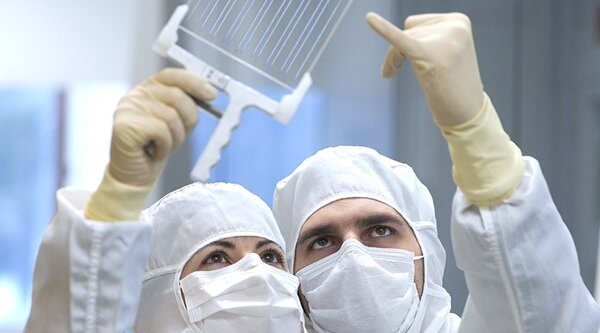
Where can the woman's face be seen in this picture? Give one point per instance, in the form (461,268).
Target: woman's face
(228,251)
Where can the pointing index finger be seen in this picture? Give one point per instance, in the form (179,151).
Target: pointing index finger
(395,36)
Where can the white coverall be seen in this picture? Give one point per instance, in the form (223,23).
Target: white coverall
(519,260)
(520,263)
(88,275)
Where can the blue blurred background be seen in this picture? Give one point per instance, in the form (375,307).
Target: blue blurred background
(64,64)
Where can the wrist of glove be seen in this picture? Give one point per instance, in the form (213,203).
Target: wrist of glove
(487,165)
(116,201)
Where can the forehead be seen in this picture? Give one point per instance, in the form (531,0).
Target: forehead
(243,243)
(347,211)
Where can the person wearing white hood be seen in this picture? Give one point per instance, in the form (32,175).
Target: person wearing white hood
(205,258)
(216,265)
(360,228)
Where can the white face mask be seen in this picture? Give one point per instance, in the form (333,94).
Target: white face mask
(361,289)
(248,296)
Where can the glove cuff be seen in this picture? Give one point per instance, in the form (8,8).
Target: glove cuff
(487,165)
(116,201)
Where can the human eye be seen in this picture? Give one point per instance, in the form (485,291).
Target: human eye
(380,231)
(272,256)
(215,258)
(321,243)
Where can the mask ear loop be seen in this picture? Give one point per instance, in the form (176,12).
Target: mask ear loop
(180,298)
(178,291)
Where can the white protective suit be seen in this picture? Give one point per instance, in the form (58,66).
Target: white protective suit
(518,257)
(88,275)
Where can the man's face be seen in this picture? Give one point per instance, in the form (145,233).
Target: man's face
(368,221)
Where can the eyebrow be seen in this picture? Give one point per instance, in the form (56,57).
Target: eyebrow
(379,218)
(264,243)
(231,246)
(223,243)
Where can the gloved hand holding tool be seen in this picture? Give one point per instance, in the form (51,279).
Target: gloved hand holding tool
(150,122)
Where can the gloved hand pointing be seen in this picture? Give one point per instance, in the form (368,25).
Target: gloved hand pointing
(441,50)
(487,165)
(150,122)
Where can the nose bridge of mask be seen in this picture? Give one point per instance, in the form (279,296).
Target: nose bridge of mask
(247,262)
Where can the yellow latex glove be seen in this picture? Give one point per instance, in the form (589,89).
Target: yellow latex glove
(150,122)
(441,50)
(487,164)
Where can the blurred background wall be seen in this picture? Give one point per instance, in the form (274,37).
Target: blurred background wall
(539,60)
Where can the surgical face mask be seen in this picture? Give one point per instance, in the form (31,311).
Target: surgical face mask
(248,296)
(361,289)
